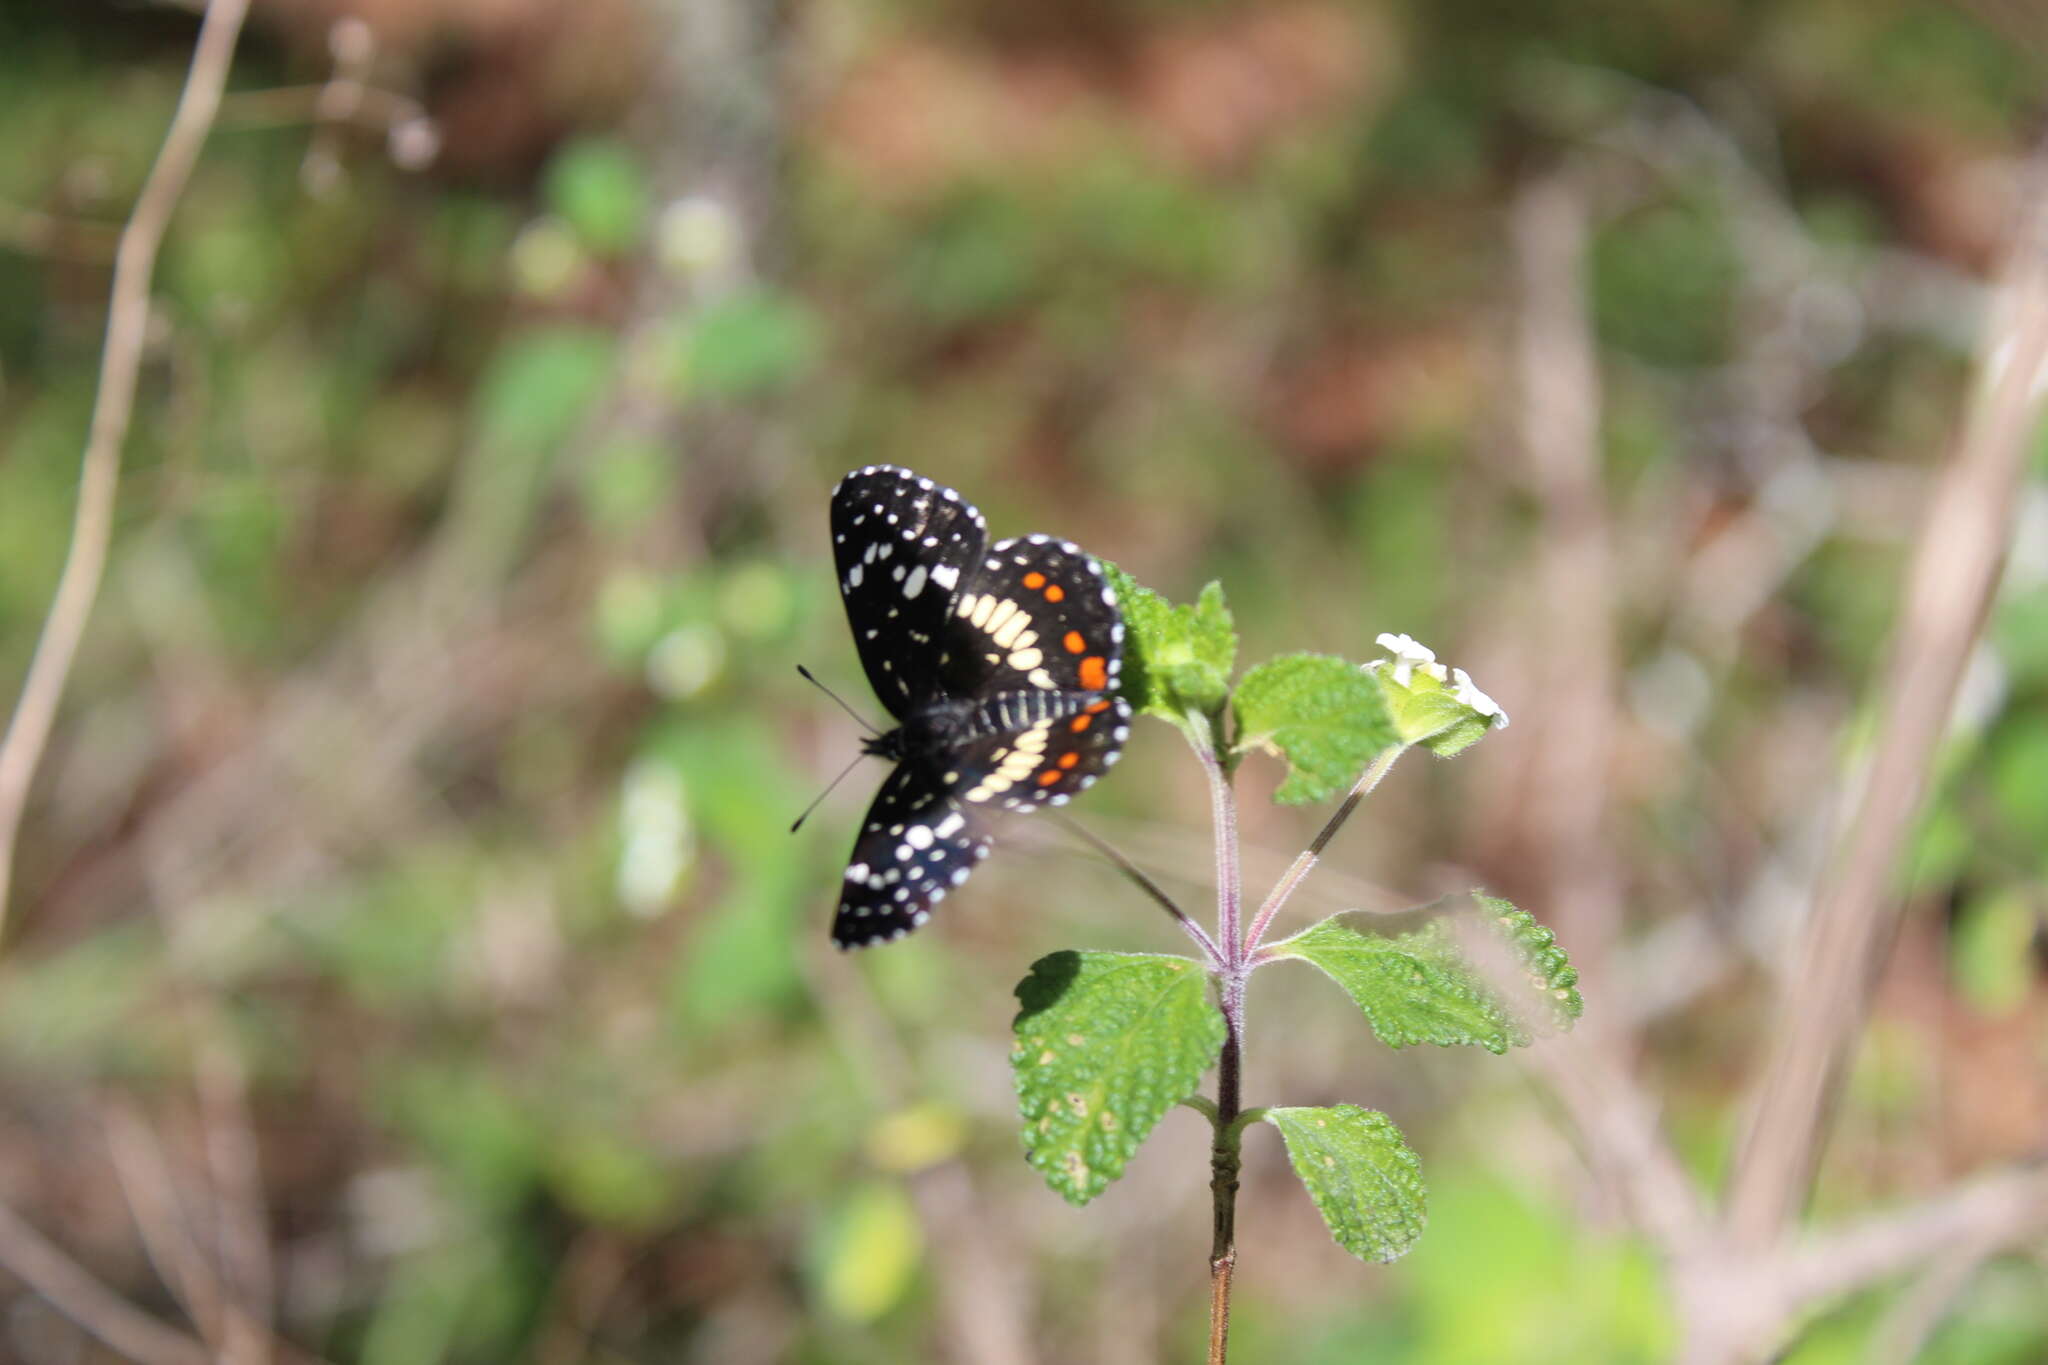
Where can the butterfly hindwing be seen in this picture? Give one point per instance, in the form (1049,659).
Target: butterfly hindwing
(902,544)
(917,844)
(1073,739)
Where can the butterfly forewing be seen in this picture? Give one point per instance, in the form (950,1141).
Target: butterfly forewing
(902,544)
(1036,613)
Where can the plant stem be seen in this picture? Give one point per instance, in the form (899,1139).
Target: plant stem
(1231,970)
(1148,886)
(92,526)
(1310,856)
(1233,953)
(1223,1168)
(1223,814)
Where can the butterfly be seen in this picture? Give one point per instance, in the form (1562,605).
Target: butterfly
(999,665)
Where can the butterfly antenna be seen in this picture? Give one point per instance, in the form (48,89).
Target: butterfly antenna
(858,718)
(798,822)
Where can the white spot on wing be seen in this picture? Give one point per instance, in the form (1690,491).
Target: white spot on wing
(914,584)
(1006,635)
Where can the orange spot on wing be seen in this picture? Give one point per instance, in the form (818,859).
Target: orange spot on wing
(1094,673)
(1048,777)
(1096,708)
(1034,580)
(1055,593)
(1068,760)
(1074,643)
(1081,723)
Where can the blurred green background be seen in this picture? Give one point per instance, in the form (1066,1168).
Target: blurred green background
(407,897)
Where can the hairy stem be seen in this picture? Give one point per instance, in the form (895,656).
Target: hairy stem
(1231,971)
(1223,814)
(1310,856)
(1238,950)
(1148,886)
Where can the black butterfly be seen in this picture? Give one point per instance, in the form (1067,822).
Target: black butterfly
(1000,666)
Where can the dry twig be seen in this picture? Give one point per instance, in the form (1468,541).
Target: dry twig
(71,1289)
(1903,1333)
(176,1248)
(1954,573)
(1740,1287)
(1560,429)
(113,406)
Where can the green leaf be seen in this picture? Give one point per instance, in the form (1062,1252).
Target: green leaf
(1536,949)
(75,1011)
(1106,1044)
(1366,1182)
(1177,659)
(1990,953)
(2019,627)
(1445,725)
(2017,759)
(866,1255)
(1416,988)
(598,189)
(477,1127)
(419,1318)
(741,961)
(1420,988)
(539,385)
(625,484)
(1325,716)
(603,1176)
(749,344)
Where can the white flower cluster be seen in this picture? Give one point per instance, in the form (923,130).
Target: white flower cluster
(1410,657)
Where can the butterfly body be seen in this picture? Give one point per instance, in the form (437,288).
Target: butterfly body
(999,665)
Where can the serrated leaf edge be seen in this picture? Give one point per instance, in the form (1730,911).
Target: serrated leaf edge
(1512,1029)
(1405,1155)
(1078,1195)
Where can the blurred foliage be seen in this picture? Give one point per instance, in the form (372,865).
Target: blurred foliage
(434,743)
